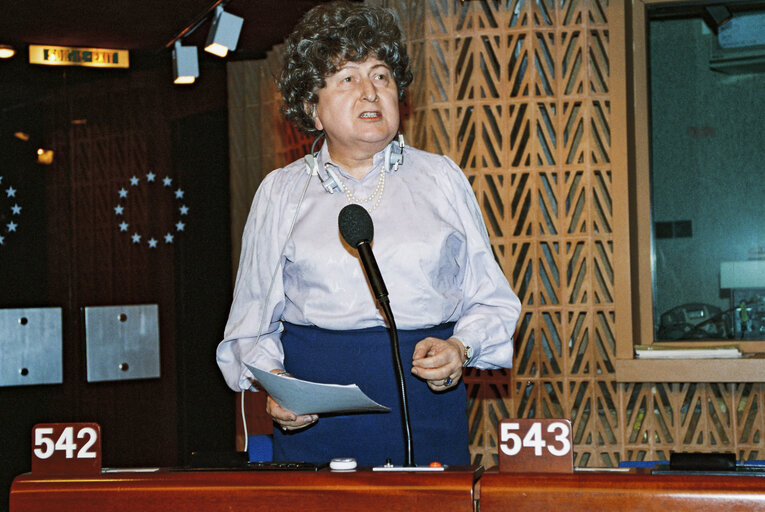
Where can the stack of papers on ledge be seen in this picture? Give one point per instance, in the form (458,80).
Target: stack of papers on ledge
(664,352)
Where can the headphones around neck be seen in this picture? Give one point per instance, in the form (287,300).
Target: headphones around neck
(394,156)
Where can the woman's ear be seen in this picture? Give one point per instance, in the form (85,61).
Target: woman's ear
(310,109)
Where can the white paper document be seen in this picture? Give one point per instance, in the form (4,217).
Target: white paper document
(304,397)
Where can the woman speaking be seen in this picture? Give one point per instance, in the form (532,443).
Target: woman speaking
(302,303)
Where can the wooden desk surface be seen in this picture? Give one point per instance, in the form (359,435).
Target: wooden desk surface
(208,491)
(452,490)
(634,491)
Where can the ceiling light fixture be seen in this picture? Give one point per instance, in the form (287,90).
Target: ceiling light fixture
(224,32)
(44,156)
(7,51)
(185,64)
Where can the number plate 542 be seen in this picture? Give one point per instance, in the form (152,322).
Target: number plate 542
(66,449)
(535,446)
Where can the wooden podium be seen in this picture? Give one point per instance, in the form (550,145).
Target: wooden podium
(362,490)
(629,491)
(67,476)
(274,491)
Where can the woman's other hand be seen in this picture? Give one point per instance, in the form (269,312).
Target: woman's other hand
(438,362)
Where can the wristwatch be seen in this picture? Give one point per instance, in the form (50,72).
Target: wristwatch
(468,354)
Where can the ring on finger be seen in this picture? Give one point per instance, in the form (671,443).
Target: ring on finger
(448,381)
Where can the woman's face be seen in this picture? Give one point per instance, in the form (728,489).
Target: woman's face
(358,108)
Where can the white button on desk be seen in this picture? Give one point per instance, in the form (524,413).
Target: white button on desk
(342,464)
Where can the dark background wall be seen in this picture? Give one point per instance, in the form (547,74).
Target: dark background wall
(68,252)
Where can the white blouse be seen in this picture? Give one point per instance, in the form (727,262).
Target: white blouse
(430,244)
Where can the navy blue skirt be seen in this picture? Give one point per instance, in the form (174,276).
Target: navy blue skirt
(364,357)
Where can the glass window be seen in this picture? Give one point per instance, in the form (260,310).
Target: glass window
(707,140)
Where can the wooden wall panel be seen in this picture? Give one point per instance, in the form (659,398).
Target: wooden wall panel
(517,95)
(111,135)
(95,264)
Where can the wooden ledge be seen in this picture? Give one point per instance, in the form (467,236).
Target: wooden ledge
(746,369)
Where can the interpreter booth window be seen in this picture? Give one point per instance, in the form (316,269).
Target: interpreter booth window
(707,148)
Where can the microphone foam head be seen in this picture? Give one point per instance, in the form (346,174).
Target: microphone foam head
(355,225)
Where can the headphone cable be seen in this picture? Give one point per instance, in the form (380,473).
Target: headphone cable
(268,295)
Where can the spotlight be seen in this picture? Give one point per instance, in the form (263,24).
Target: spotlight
(185,64)
(224,33)
(7,51)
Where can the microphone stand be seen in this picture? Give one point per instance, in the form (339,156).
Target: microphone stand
(357,230)
(385,305)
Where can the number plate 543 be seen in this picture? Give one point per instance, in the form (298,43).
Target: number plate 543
(66,449)
(535,446)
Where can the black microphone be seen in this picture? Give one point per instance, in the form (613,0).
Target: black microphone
(358,231)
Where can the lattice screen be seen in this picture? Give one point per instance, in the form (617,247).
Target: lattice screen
(518,93)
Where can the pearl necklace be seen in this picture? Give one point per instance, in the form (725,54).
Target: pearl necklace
(376,193)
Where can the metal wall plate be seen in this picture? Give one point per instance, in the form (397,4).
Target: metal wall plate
(122,342)
(31,346)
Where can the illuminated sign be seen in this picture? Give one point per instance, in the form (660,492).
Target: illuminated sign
(69,56)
